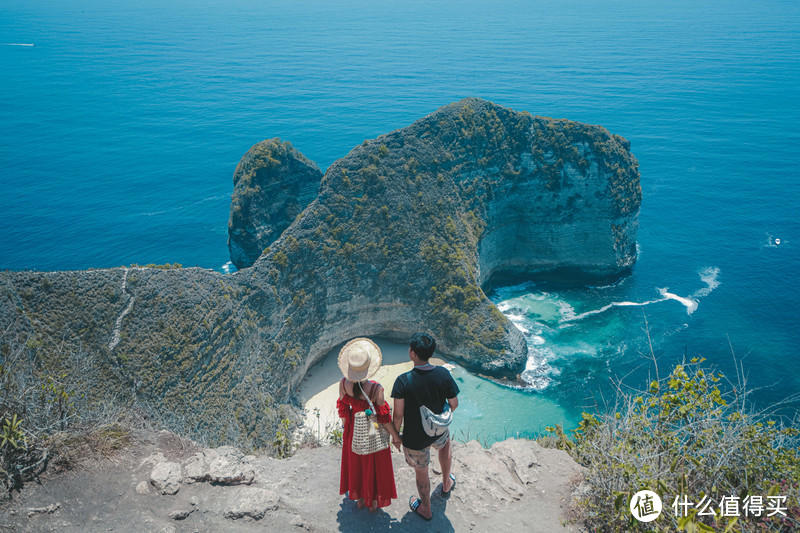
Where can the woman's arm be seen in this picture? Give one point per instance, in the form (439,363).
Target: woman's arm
(341,406)
(397,421)
(389,424)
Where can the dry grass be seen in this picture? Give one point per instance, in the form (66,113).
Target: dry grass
(69,450)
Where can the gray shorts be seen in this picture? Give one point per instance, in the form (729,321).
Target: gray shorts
(422,458)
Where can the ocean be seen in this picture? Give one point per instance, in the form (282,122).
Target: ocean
(121,126)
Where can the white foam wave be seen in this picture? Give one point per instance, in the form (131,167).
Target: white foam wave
(522,328)
(538,372)
(566,311)
(19,44)
(609,306)
(228,267)
(689,303)
(708,276)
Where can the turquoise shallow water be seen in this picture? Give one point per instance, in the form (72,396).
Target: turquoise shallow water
(121,127)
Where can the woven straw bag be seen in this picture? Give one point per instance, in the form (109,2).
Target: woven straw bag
(368,436)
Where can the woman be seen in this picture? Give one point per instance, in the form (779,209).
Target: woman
(368,479)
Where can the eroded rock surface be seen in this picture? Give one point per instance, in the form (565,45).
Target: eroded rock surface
(225,465)
(166,477)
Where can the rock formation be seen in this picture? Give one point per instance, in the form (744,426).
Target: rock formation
(402,236)
(273,182)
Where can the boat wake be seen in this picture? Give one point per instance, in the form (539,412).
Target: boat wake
(707,275)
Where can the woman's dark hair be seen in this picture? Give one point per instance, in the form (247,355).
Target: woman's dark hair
(423,345)
(358,392)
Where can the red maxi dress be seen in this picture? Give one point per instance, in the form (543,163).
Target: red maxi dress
(368,477)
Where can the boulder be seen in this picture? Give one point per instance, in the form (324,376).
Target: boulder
(251,502)
(166,477)
(143,488)
(225,465)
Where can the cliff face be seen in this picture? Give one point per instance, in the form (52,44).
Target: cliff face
(401,237)
(572,207)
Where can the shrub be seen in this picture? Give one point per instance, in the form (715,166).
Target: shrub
(335,434)
(685,436)
(282,444)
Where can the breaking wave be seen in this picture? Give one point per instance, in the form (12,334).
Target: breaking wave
(545,320)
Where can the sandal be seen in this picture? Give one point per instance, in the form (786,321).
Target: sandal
(447,494)
(413,504)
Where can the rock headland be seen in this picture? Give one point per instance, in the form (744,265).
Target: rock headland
(401,234)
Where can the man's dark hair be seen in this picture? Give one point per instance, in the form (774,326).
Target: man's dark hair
(423,345)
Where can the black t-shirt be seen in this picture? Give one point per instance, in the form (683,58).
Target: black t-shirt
(432,388)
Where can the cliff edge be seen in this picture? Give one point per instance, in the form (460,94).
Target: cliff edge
(163,483)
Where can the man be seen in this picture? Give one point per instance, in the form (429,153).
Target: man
(431,386)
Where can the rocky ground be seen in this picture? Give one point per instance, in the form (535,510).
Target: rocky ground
(163,483)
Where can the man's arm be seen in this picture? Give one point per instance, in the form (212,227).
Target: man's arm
(397,420)
(389,426)
(453,403)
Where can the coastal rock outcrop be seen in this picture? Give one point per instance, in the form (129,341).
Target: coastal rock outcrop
(272,184)
(403,235)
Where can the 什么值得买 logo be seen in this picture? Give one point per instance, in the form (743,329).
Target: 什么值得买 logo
(645,506)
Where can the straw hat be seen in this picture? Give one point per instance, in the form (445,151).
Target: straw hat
(359,359)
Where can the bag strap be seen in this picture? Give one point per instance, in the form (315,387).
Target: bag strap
(367,396)
(421,404)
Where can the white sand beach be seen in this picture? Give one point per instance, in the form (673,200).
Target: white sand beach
(320,388)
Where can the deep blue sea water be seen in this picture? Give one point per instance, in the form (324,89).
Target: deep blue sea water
(120,130)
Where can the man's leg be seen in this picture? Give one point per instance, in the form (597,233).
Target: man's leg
(424,490)
(446,462)
(419,461)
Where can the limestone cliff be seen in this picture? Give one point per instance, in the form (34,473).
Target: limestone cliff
(402,236)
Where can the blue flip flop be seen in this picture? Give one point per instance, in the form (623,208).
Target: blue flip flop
(447,494)
(413,504)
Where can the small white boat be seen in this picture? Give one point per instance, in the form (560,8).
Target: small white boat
(777,242)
